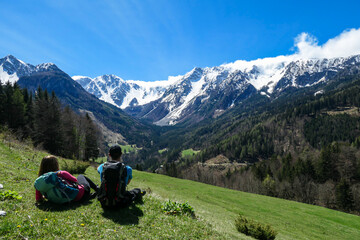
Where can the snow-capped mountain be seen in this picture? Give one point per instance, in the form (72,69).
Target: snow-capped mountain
(116,125)
(202,92)
(210,91)
(121,93)
(11,69)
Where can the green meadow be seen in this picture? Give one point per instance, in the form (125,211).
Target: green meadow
(215,209)
(129,148)
(188,152)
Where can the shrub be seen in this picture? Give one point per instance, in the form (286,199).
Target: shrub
(75,167)
(175,208)
(254,229)
(8,194)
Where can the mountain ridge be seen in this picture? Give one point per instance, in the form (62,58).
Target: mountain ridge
(11,68)
(202,92)
(230,83)
(49,76)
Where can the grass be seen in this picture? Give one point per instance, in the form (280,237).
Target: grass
(101,160)
(215,208)
(129,148)
(26,220)
(189,152)
(353,111)
(125,150)
(220,207)
(161,151)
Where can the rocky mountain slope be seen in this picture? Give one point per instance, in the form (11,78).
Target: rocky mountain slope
(201,93)
(208,92)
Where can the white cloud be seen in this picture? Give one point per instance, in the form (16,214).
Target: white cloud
(344,45)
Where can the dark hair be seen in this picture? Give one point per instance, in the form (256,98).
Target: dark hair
(49,164)
(115,152)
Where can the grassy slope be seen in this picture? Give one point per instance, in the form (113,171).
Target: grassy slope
(24,220)
(213,205)
(220,207)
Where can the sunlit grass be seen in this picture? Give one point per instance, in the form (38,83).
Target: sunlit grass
(189,152)
(26,220)
(215,209)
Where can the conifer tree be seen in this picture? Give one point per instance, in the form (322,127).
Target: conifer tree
(91,139)
(344,198)
(2,104)
(54,136)
(71,132)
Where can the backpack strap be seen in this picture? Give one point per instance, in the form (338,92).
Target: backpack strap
(122,176)
(103,183)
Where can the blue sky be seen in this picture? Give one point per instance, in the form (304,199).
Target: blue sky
(151,40)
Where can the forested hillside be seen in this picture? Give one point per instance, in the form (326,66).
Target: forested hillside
(72,94)
(41,119)
(300,146)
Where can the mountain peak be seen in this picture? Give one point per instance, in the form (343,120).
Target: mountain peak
(10,57)
(45,67)
(12,60)
(11,69)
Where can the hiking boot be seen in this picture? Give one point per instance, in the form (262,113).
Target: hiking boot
(92,195)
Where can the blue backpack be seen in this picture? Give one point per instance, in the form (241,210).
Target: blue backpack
(56,189)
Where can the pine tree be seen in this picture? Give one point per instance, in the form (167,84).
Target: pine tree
(29,116)
(40,110)
(71,133)
(344,198)
(326,167)
(54,134)
(91,139)
(2,105)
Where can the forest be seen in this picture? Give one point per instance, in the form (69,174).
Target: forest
(306,150)
(40,118)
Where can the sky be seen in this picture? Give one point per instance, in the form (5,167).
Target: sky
(151,40)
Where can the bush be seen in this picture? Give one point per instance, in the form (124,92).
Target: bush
(8,194)
(75,167)
(175,208)
(254,229)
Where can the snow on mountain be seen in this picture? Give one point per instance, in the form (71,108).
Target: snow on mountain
(262,72)
(44,67)
(6,77)
(11,69)
(202,92)
(269,76)
(168,102)
(121,93)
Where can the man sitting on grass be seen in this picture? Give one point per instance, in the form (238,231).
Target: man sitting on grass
(115,176)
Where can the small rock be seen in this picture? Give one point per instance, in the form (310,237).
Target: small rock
(2,213)
(1,186)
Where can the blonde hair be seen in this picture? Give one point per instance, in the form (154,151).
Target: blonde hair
(49,164)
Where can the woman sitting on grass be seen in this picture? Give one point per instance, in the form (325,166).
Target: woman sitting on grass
(51,164)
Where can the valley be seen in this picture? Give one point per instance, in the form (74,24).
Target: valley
(278,139)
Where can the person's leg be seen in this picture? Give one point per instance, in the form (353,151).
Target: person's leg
(131,196)
(136,194)
(91,183)
(82,181)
